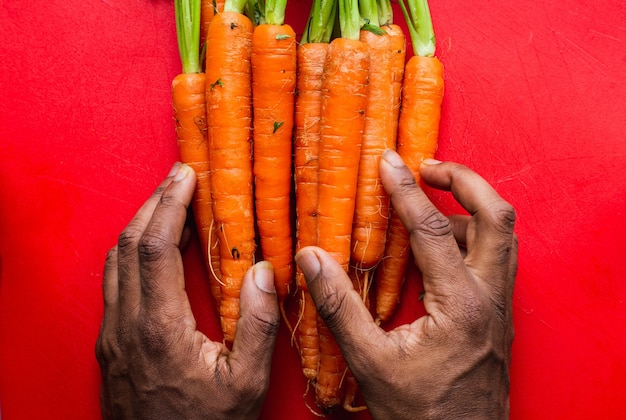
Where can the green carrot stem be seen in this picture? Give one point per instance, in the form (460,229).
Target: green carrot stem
(237,6)
(275,11)
(319,27)
(420,26)
(255,10)
(349,19)
(385,12)
(369,12)
(188,34)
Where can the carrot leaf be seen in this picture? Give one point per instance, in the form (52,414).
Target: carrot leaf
(277,125)
(420,25)
(188,34)
(375,29)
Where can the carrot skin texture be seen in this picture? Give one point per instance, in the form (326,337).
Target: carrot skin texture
(344,100)
(329,387)
(310,66)
(308,336)
(418,132)
(371,216)
(208,10)
(229,111)
(189,103)
(273,87)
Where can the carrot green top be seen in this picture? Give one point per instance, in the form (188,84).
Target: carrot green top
(270,12)
(420,26)
(369,12)
(188,34)
(237,6)
(319,27)
(370,20)
(385,12)
(349,19)
(275,12)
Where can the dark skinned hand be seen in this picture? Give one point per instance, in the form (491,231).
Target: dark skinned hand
(454,361)
(155,364)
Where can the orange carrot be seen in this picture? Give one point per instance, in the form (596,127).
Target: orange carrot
(344,100)
(311,56)
(229,111)
(273,87)
(351,385)
(418,130)
(343,110)
(209,8)
(371,217)
(189,103)
(310,63)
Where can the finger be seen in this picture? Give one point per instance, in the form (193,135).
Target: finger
(160,261)
(110,288)
(128,264)
(432,241)
(258,324)
(493,219)
(340,307)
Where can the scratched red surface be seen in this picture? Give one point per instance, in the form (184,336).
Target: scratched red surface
(535,94)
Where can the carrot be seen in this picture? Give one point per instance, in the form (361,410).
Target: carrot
(229,112)
(311,55)
(344,100)
(387,49)
(273,86)
(418,130)
(209,8)
(189,103)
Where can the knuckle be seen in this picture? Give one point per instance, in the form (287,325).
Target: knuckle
(111,257)
(434,224)
(129,238)
(151,247)
(503,216)
(107,347)
(100,351)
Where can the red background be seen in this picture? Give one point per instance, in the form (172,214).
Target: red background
(535,94)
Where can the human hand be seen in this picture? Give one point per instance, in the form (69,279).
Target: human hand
(154,362)
(454,361)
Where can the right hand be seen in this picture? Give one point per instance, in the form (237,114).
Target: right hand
(454,361)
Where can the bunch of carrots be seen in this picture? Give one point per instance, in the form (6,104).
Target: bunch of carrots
(270,124)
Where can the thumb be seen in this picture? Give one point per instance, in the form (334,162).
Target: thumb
(340,306)
(259,320)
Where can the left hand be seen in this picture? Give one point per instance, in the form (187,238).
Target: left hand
(154,362)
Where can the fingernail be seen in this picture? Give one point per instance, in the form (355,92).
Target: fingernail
(263,273)
(393,158)
(183,171)
(174,169)
(308,263)
(431,162)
